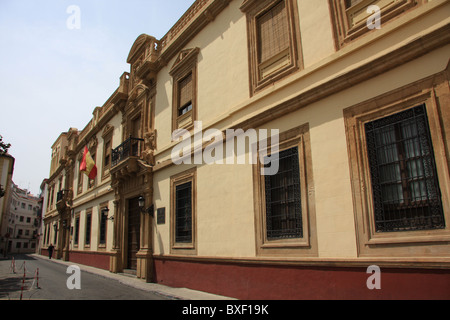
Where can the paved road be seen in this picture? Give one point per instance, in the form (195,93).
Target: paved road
(53,283)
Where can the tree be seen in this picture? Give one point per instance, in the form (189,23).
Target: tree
(3,150)
(4,146)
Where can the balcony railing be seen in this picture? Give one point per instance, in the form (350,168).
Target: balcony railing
(129,148)
(61,195)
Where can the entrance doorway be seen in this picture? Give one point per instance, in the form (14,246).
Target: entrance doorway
(134,232)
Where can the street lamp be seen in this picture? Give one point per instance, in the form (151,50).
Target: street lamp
(105,212)
(149,210)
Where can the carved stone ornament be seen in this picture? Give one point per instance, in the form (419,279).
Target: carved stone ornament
(150,140)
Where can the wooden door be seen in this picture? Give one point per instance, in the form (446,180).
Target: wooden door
(134,232)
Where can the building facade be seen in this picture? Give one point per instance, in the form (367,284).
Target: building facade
(21,223)
(6,174)
(351,111)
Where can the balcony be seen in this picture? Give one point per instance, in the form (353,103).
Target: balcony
(62,200)
(130,148)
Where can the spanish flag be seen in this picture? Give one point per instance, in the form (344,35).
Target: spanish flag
(88,165)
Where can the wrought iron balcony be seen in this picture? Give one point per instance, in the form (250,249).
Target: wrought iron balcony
(62,199)
(129,148)
(62,195)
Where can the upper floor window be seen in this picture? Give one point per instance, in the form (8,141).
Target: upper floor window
(107,136)
(274,42)
(351,16)
(184,103)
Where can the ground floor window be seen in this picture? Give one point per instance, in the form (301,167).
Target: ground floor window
(183,213)
(405,185)
(399,170)
(283,199)
(285,202)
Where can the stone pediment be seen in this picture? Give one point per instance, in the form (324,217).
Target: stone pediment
(140,46)
(183,58)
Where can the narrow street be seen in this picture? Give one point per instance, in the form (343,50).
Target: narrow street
(51,283)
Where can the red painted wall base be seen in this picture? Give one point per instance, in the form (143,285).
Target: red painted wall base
(265,282)
(94,259)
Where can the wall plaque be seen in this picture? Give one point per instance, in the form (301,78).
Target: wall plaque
(161,215)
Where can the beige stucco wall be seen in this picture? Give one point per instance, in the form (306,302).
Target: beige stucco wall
(316,30)
(225,211)
(222,72)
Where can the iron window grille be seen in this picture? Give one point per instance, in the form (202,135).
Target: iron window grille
(183,212)
(77,230)
(283,199)
(103,220)
(405,185)
(88,229)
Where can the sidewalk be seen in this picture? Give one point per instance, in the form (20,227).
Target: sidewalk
(172,293)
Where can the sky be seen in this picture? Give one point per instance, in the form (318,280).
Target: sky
(59,60)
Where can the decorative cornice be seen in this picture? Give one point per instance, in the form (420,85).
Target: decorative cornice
(200,14)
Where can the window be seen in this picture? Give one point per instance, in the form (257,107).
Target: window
(107,150)
(103,225)
(183,213)
(55,235)
(274,46)
(284,202)
(77,230)
(404,181)
(350,16)
(399,171)
(45,234)
(185,95)
(136,133)
(184,73)
(80,177)
(87,241)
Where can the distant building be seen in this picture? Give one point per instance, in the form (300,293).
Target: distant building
(362,110)
(22,221)
(6,173)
